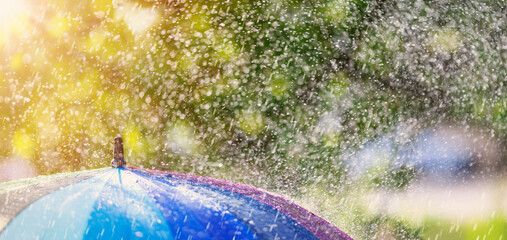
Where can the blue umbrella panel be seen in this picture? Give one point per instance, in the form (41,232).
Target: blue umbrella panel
(130,203)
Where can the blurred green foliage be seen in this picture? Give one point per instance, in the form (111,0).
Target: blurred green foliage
(399,178)
(383,227)
(490,228)
(195,85)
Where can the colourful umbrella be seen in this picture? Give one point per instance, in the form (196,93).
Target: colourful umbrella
(132,203)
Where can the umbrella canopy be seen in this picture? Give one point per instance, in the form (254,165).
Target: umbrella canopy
(131,203)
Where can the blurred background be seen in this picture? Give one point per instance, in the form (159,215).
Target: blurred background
(387,118)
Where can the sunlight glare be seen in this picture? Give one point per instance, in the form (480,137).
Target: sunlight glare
(13,18)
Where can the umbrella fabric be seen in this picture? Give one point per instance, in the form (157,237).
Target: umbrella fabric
(130,203)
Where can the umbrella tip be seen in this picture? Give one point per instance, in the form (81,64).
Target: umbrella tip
(118,160)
